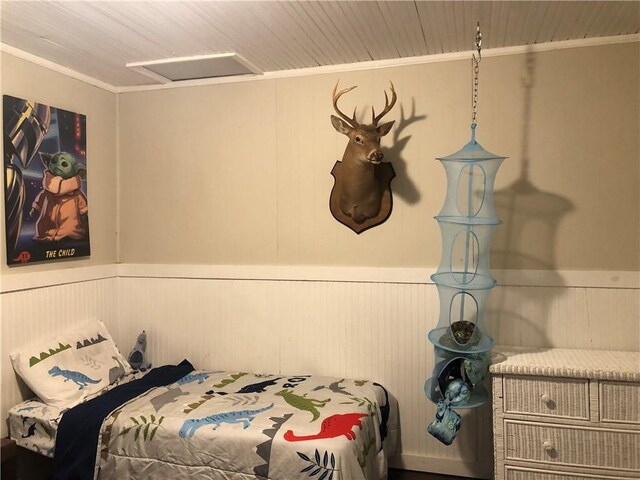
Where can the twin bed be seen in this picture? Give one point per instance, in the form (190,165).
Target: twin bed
(177,422)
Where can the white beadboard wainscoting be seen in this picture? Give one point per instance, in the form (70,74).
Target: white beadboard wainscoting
(34,307)
(341,321)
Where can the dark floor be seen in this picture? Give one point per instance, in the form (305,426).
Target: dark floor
(37,467)
(408,475)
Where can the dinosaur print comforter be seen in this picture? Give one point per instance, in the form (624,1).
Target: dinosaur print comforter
(240,426)
(33,424)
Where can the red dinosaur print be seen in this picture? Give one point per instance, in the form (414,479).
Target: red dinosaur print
(332,427)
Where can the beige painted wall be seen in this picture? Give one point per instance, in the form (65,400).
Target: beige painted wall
(240,173)
(24,79)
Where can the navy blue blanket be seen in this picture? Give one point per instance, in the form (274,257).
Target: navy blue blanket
(79,429)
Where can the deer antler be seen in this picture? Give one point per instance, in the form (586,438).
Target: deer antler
(387,106)
(336,96)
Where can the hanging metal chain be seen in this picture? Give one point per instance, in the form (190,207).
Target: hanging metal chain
(475,63)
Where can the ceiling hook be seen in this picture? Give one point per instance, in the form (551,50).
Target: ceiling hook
(478,44)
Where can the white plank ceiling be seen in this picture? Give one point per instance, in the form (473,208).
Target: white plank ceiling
(98,38)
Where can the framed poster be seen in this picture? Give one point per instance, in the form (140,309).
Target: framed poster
(45,187)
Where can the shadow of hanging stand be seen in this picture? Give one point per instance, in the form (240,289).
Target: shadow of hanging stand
(532,217)
(522,204)
(526,240)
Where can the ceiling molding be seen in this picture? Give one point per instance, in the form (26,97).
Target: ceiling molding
(398,62)
(16,52)
(301,72)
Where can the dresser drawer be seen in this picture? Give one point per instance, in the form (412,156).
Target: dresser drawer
(550,397)
(571,445)
(523,473)
(619,402)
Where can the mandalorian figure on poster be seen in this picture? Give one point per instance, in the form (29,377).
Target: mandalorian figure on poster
(25,126)
(46,210)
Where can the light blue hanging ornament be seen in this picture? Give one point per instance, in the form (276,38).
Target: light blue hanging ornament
(467,222)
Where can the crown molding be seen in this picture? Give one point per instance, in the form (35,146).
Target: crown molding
(329,69)
(395,62)
(16,52)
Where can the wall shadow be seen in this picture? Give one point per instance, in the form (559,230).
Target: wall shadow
(402,185)
(526,240)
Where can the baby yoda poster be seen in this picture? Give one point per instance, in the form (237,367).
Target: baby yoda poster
(45,187)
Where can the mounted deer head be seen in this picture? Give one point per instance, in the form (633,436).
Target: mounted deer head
(364,140)
(360,186)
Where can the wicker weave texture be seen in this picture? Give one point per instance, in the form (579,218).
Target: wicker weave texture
(554,397)
(579,446)
(620,403)
(593,364)
(535,474)
(566,414)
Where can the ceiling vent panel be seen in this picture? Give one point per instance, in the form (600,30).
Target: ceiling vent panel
(194,68)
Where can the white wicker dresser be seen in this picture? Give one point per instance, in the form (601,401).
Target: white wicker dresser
(566,414)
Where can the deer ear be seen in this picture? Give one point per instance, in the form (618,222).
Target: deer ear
(340,125)
(385,128)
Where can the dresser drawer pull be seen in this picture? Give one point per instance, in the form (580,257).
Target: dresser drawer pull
(549,448)
(548,401)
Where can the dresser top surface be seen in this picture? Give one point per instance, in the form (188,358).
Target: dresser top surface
(559,362)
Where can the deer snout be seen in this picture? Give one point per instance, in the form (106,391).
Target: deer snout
(376,156)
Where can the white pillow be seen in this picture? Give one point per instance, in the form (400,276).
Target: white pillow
(65,370)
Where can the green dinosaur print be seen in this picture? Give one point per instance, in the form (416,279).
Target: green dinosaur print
(192,406)
(366,446)
(303,403)
(143,426)
(90,341)
(34,360)
(228,381)
(361,402)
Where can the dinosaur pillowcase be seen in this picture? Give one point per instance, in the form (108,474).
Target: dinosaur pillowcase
(65,370)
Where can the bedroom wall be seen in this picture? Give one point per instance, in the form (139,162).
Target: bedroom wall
(240,173)
(230,253)
(40,305)
(363,322)
(24,79)
(38,301)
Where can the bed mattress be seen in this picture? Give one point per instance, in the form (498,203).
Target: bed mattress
(33,424)
(234,425)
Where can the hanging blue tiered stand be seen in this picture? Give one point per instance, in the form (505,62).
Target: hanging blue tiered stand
(461,343)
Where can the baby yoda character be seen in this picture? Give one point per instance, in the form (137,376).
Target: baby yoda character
(61,206)
(136,357)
